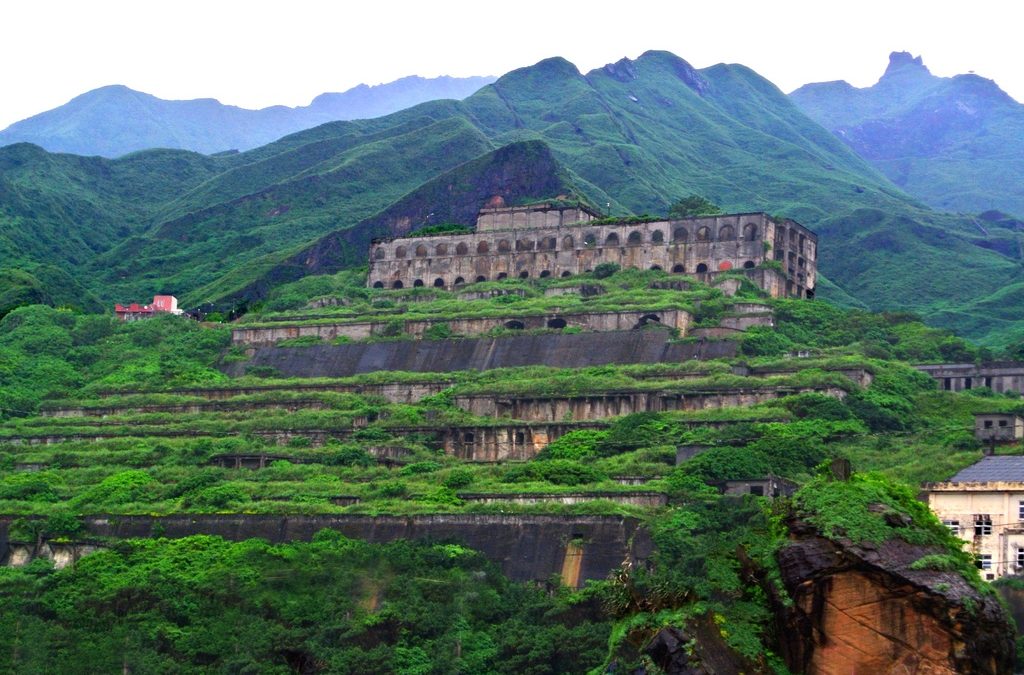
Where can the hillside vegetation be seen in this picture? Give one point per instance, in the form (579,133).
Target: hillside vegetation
(138,418)
(634,135)
(953,142)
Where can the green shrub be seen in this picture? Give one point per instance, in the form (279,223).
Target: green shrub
(459,478)
(575,445)
(218,496)
(419,467)
(764,341)
(438,331)
(605,270)
(557,471)
(817,406)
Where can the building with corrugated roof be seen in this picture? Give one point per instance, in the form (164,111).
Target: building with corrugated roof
(984,505)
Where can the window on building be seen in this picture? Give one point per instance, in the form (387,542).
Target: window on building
(1020,509)
(757,490)
(984,561)
(953,525)
(982,525)
(1020,558)
(1002,423)
(988,424)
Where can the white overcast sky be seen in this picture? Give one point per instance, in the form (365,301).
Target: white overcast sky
(254,53)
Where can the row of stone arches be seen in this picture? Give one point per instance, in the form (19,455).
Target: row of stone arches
(634,238)
(439,282)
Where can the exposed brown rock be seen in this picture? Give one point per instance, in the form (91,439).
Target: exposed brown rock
(861,609)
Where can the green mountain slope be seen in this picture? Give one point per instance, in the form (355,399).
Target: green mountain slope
(635,135)
(956,143)
(115,120)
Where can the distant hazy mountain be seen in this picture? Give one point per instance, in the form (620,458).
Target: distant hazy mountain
(115,120)
(955,142)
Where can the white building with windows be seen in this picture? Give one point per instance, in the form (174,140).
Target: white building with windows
(984,505)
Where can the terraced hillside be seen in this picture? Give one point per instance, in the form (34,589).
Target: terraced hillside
(629,484)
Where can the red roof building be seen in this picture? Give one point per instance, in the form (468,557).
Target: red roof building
(162,304)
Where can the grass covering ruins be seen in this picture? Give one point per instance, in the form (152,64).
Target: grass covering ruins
(108,425)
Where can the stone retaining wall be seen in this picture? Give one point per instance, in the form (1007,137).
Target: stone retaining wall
(526,548)
(589,321)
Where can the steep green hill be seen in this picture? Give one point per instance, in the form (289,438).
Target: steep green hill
(956,143)
(634,135)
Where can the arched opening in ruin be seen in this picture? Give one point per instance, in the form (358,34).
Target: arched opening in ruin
(726,233)
(418,283)
(524,275)
(749,232)
(655,268)
(557,322)
(502,275)
(635,238)
(504,246)
(545,274)
(566,273)
(400,252)
(524,244)
(590,240)
(704,234)
(397,284)
(481,278)
(483,247)
(547,244)
(568,243)
(678,269)
(421,251)
(459,281)
(680,234)
(439,283)
(468,437)
(520,438)
(461,249)
(658,237)
(378,254)
(810,294)
(515,325)
(646,320)
(378,284)
(702,268)
(749,265)
(612,240)
(441,249)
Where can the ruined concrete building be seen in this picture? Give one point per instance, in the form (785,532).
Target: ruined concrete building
(558,240)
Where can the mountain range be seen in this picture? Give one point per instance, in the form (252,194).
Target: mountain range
(957,143)
(115,120)
(632,137)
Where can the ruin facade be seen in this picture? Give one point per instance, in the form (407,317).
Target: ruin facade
(555,240)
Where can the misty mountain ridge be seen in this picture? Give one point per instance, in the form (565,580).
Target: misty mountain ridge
(115,120)
(955,142)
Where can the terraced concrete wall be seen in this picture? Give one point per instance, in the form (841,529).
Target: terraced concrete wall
(527,548)
(557,350)
(590,321)
(640,498)
(614,404)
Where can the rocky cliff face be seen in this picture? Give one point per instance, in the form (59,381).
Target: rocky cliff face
(860,608)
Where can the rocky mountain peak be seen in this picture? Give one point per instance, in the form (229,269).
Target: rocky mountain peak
(905,62)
